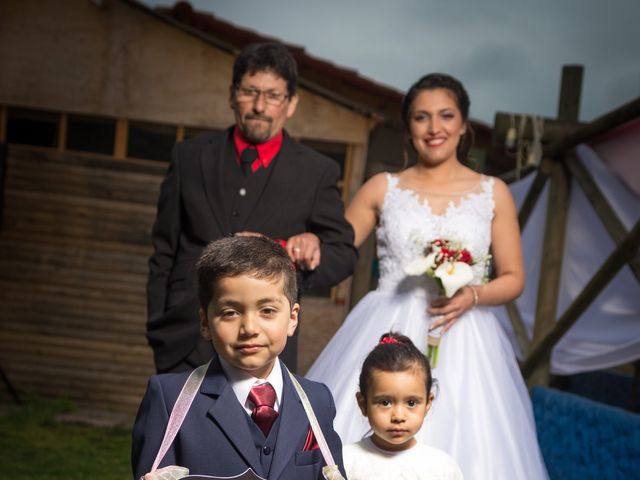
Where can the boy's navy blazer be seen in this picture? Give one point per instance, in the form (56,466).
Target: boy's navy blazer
(215,438)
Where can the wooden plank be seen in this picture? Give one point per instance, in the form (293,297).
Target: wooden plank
(551,265)
(519,329)
(53,256)
(599,126)
(132,373)
(78,384)
(98,354)
(77,222)
(114,301)
(84,329)
(534,192)
(120,283)
(607,215)
(115,348)
(46,156)
(58,179)
(570,91)
(79,213)
(45,312)
(609,269)
(44,238)
(554,129)
(516,174)
(71,298)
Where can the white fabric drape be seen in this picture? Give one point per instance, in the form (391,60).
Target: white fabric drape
(608,333)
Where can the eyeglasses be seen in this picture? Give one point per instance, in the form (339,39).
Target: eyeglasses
(249,94)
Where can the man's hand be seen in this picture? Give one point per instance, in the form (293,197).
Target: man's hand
(304,250)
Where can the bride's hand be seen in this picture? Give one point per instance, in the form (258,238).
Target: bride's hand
(451,309)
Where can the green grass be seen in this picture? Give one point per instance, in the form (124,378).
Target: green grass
(35,446)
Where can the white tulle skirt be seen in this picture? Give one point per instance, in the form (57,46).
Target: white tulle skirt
(482,413)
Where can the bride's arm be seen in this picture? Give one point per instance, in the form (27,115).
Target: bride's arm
(507,257)
(507,252)
(363,210)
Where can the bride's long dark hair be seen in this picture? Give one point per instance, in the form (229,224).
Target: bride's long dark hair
(433,81)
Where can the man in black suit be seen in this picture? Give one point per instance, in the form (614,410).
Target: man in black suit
(251,179)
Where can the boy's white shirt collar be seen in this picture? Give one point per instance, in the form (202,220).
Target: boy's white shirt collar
(242,382)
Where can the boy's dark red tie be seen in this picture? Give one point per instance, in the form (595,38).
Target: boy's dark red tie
(264,398)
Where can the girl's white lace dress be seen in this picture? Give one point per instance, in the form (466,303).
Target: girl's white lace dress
(482,414)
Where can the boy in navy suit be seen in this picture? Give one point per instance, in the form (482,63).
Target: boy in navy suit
(247,291)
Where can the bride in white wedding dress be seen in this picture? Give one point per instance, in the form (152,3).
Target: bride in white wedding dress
(482,415)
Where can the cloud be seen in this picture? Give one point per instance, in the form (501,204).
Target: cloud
(508,54)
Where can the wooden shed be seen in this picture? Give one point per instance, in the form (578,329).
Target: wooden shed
(93,94)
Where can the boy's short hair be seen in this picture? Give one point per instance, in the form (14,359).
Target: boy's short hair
(257,257)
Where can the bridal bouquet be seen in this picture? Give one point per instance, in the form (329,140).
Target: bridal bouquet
(449,264)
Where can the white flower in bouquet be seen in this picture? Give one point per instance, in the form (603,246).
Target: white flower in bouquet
(421,265)
(453,276)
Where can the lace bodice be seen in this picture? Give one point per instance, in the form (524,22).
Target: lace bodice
(407,223)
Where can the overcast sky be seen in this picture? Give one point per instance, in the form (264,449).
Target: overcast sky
(509,54)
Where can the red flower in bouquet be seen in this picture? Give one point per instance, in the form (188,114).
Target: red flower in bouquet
(450,265)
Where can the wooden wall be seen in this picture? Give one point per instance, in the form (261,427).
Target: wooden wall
(74,246)
(75,239)
(118,60)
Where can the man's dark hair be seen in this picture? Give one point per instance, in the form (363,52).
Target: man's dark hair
(257,257)
(394,353)
(267,57)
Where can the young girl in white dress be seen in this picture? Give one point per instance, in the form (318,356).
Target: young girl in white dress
(483,416)
(395,395)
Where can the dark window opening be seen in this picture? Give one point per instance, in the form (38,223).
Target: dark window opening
(32,127)
(91,134)
(190,132)
(151,141)
(336,151)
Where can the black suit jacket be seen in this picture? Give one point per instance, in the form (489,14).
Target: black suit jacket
(300,195)
(215,438)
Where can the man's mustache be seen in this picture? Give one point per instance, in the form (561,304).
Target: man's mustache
(253,116)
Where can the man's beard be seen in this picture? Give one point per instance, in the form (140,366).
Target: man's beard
(257,132)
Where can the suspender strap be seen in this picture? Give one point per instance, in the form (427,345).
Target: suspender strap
(180,409)
(330,471)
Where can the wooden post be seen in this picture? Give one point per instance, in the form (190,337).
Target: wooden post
(360,282)
(570,90)
(180,133)
(551,264)
(122,139)
(557,211)
(3,124)
(62,132)
(534,192)
(612,265)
